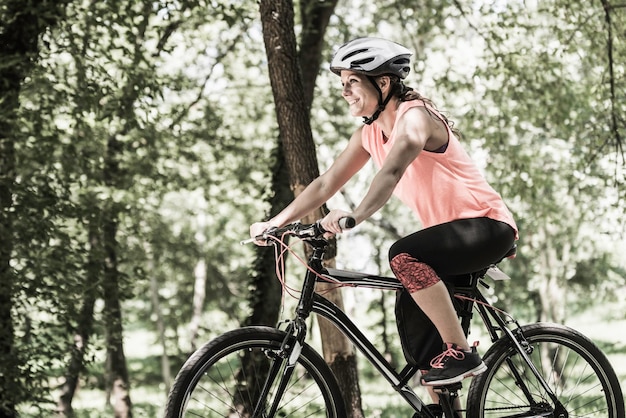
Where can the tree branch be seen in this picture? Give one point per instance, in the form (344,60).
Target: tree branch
(609,46)
(207,78)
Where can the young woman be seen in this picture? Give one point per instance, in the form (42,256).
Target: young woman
(466,225)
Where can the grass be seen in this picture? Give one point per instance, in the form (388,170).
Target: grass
(605,326)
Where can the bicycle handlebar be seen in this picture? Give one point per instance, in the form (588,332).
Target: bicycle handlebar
(347,222)
(302,231)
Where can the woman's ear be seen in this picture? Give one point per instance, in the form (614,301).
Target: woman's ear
(384,82)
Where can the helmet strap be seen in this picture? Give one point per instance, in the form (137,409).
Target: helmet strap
(381,103)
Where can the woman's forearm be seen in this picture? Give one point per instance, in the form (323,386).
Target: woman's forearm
(380,191)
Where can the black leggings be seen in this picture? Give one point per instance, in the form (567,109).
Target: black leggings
(454,248)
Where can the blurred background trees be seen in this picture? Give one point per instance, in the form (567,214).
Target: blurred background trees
(138,141)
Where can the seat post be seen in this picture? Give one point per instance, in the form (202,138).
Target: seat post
(465,307)
(466,312)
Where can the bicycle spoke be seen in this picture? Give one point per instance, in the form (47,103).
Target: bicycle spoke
(229,379)
(574,369)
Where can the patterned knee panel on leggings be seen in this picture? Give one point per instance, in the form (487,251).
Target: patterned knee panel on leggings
(412,273)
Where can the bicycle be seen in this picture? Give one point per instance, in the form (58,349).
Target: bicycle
(535,370)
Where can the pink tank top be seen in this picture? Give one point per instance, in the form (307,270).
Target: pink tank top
(439,187)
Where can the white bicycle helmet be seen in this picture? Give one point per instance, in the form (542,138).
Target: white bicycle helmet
(373,57)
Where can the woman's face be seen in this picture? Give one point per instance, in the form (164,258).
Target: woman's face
(359,92)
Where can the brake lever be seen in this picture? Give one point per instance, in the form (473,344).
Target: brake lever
(262,237)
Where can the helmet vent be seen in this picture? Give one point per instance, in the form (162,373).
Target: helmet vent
(353,53)
(358,63)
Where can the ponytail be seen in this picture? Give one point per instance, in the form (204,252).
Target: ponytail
(406,94)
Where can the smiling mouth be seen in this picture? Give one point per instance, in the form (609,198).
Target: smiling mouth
(351,102)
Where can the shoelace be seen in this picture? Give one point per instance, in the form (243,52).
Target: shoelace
(439,361)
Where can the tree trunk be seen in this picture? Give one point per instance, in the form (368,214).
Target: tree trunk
(265,299)
(166,373)
(315,15)
(156,309)
(85,323)
(340,355)
(199,295)
(9,381)
(8,368)
(117,379)
(117,382)
(77,357)
(21,26)
(553,286)
(292,111)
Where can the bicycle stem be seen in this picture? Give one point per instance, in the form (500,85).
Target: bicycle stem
(305,303)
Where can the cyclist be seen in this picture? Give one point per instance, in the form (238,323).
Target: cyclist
(465,224)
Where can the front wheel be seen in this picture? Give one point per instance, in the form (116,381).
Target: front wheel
(225,378)
(575,369)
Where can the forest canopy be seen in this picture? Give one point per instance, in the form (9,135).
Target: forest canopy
(138,141)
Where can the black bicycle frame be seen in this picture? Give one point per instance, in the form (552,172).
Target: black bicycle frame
(312,302)
(399,381)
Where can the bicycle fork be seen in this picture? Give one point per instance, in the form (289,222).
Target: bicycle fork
(524,350)
(292,344)
(284,359)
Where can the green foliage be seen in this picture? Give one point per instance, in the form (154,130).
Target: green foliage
(99,78)
(541,116)
(180,88)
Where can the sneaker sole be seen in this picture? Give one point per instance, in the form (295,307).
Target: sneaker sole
(482,367)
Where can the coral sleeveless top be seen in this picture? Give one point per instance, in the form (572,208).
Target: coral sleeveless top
(439,186)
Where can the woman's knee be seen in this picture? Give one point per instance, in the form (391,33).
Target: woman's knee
(414,275)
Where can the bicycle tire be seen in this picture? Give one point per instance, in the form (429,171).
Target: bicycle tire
(573,366)
(213,383)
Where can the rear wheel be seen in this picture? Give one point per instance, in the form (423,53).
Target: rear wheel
(225,378)
(576,370)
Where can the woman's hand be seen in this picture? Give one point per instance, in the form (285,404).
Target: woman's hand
(331,221)
(258,228)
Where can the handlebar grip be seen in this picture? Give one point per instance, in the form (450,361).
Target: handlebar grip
(347,223)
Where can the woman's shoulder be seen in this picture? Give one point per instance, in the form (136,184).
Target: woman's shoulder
(357,135)
(412,109)
(409,104)
(414,113)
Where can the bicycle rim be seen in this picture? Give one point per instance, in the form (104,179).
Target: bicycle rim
(225,377)
(574,368)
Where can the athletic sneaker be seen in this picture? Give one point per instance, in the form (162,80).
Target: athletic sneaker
(453,365)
